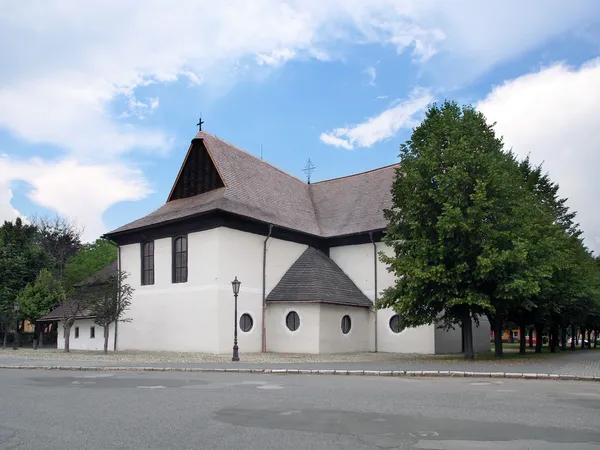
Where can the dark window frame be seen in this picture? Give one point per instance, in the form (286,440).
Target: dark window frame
(147,272)
(400,326)
(92,332)
(250,323)
(179,274)
(76,332)
(346,324)
(294,323)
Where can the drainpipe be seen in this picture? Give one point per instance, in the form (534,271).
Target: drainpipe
(264,291)
(119,269)
(375,283)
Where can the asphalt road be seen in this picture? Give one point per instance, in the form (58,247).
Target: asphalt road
(97,410)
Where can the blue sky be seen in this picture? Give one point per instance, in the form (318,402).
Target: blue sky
(99,101)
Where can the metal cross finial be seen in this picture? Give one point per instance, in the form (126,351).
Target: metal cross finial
(308,169)
(199,124)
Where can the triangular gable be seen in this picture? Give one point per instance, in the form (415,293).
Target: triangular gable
(316,278)
(197,175)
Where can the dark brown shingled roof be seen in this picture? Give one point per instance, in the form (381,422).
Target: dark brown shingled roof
(258,190)
(76,306)
(316,278)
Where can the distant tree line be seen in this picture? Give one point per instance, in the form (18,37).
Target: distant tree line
(44,264)
(476,232)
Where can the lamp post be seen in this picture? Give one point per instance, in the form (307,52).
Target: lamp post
(235,284)
(16,307)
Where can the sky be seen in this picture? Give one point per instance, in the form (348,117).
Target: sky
(99,100)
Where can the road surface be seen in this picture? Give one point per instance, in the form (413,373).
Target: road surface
(130,410)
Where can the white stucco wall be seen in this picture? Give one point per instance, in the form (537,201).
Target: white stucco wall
(451,341)
(168,316)
(305,339)
(199,315)
(359,339)
(357,262)
(84,341)
(241,255)
(481,336)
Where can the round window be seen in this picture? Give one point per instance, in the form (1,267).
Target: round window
(397,323)
(293,321)
(246,322)
(346,324)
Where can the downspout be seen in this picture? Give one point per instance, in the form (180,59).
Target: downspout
(375,283)
(264,291)
(119,269)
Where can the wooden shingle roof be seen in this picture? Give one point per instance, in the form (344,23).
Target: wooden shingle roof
(316,278)
(255,189)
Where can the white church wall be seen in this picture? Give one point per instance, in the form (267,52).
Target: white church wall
(481,336)
(360,338)
(170,316)
(85,341)
(280,339)
(448,341)
(241,255)
(357,262)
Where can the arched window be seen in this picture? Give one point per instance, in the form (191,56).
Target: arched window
(346,324)
(397,323)
(180,260)
(148,263)
(292,320)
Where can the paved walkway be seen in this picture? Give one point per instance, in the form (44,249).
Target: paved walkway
(579,363)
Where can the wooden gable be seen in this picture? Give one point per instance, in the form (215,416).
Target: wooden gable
(197,175)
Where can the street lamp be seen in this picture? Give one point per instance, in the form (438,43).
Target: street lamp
(235,284)
(16,307)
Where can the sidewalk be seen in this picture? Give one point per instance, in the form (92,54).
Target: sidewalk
(580,364)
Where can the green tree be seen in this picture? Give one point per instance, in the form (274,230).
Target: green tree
(21,259)
(87,261)
(39,298)
(109,299)
(467,237)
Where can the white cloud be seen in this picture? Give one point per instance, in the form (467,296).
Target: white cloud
(64,63)
(382,126)
(381,97)
(79,191)
(553,116)
(372,74)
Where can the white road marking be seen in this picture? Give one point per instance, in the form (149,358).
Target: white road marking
(270,386)
(152,387)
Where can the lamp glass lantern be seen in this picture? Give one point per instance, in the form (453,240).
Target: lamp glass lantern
(235,285)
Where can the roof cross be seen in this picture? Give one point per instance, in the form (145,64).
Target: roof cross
(199,124)
(308,169)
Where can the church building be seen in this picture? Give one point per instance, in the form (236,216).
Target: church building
(306,255)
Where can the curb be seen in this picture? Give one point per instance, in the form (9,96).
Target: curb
(373,373)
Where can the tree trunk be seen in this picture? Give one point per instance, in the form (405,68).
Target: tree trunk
(553,338)
(467,326)
(5,340)
(41,344)
(582,338)
(522,343)
(539,331)
(530,337)
(68,325)
(498,337)
(595,338)
(573,338)
(589,339)
(106,330)
(36,334)
(563,338)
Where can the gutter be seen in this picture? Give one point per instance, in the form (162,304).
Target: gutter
(375,283)
(119,271)
(264,291)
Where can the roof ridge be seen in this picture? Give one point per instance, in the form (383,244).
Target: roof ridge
(252,155)
(359,173)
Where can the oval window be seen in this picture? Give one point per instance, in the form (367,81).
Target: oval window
(346,324)
(246,322)
(292,320)
(397,323)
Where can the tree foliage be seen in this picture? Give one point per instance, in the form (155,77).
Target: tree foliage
(468,236)
(40,297)
(88,260)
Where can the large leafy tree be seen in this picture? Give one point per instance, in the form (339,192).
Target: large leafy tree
(87,261)
(60,238)
(21,259)
(39,298)
(465,236)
